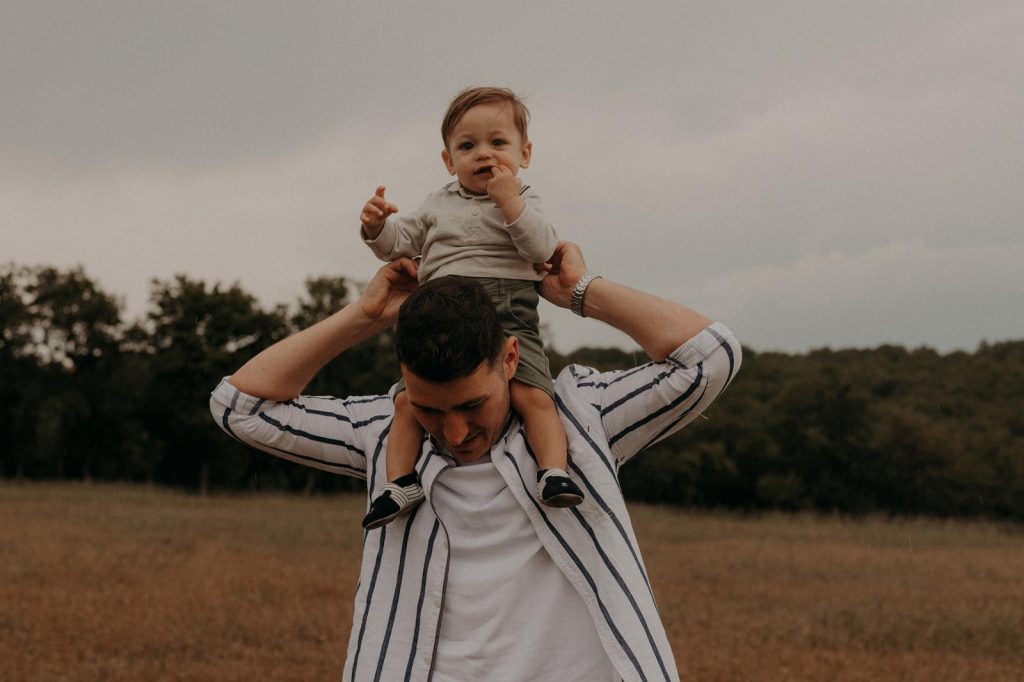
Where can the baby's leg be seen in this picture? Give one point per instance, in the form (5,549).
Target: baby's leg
(544,430)
(546,436)
(402,493)
(403,440)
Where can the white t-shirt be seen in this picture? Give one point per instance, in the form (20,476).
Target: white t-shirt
(497,618)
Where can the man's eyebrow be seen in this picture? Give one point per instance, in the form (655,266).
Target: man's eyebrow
(472,402)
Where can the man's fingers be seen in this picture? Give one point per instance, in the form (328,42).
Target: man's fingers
(408,266)
(380,191)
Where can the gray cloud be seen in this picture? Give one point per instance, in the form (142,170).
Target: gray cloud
(774,165)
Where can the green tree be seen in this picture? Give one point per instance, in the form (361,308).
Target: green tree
(197,334)
(69,328)
(20,373)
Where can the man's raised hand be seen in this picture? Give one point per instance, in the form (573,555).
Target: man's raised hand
(561,272)
(375,212)
(388,289)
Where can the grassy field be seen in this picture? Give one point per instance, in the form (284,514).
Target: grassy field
(128,583)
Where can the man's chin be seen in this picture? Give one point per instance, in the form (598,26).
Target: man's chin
(467,456)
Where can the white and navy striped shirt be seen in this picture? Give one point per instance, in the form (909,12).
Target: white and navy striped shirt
(608,416)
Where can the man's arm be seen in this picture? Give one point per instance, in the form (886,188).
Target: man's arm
(657,325)
(259,405)
(281,371)
(693,359)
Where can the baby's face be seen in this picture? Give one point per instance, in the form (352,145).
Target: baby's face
(485,137)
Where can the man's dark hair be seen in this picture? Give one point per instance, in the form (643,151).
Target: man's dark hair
(447,328)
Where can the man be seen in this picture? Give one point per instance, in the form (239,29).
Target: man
(482,582)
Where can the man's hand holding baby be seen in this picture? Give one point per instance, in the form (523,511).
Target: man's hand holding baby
(375,212)
(504,188)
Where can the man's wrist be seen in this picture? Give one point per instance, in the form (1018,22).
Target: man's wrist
(579,293)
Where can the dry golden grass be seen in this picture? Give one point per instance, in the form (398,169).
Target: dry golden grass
(127,583)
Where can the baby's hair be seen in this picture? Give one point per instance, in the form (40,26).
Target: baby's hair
(473,97)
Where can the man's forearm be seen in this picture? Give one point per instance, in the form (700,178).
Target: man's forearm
(281,371)
(659,326)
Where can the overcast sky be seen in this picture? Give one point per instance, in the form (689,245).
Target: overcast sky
(811,174)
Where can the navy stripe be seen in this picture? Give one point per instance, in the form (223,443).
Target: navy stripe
(369,599)
(339,417)
(398,592)
(351,401)
(622,375)
(372,466)
(347,469)
(663,409)
(227,426)
(622,585)
(675,422)
(583,570)
(376,565)
(728,351)
(580,429)
(234,399)
(423,596)
(309,436)
(257,406)
(641,389)
(615,520)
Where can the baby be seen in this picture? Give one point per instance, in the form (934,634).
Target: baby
(487,226)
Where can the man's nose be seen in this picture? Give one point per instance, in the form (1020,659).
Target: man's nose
(455,429)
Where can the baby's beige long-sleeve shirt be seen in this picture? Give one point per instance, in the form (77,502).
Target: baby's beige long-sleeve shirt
(458,233)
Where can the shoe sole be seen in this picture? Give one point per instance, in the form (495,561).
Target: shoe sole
(373,525)
(563,500)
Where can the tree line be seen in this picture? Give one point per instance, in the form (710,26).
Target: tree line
(88,395)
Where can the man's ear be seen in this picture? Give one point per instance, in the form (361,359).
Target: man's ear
(447,158)
(510,357)
(527,153)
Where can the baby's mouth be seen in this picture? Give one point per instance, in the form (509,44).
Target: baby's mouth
(485,169)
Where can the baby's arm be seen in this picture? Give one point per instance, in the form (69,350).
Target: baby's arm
(533,235)
(390,239)
(375,212)
(504,189)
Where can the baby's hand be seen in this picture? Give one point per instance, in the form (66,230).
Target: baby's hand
(375,212)
(503,185)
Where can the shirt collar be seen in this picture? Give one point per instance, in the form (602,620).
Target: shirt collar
(455,187)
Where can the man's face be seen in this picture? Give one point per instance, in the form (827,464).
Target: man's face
(465,415)
(485,136)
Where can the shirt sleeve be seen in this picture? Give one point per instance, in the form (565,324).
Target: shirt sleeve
(318,431)
(641,406)
(533,235)
(402,235)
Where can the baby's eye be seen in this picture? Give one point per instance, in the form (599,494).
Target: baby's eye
(466,146)
(499,142)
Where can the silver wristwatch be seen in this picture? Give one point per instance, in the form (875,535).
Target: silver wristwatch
(579,291)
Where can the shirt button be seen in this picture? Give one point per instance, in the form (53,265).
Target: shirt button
(437,603)
(475,212)
(427,659)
